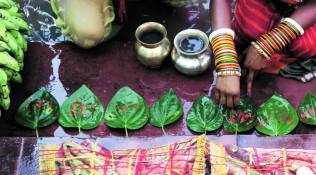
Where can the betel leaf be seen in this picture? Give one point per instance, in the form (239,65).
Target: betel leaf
(307,109)
(276,117)
(166,110)
(241,119)
(126,110)
(39,110)
(81,110)
(204,115)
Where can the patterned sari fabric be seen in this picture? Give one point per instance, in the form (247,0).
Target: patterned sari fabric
(257,17)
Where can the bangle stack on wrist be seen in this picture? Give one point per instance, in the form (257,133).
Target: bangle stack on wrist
(280,36)
(224,51)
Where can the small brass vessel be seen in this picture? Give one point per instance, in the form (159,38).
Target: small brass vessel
(191,62)
(152,45)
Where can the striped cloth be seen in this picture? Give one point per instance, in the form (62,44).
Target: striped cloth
(257,17)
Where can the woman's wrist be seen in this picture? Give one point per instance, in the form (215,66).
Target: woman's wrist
(223,46)
(278,38)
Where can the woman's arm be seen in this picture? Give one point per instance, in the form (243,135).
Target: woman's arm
(220,14)
(227,87)
(305,15)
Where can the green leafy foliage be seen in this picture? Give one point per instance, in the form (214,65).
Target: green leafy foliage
(126,110)
(276,117)
(39,110)
(241,119)
(204,116)
(81,110)
(166,110)
(307,109)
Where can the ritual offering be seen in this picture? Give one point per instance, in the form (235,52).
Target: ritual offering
(167,110)
(241,119)
(191,54)
(126,110)
(39,110)
(204,116)
(81,110)
(85,22)
(276,117)
(307,109)
(152,45)
(13,26)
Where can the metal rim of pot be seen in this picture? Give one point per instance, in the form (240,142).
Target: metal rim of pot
(191,32)
(150,26)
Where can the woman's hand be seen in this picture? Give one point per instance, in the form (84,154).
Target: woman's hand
(227,90)
(255,62)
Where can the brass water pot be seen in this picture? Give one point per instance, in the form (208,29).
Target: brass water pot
(187,62)
(152,54)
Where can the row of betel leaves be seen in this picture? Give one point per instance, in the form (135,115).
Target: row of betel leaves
(128,110)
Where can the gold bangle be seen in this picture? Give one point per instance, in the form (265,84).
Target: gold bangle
(260,50)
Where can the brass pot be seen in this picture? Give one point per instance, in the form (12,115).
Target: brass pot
(187,62)
(152,54)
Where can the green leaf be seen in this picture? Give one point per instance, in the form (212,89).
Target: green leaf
(276,117)
(126,110)
(81,110)
(39,110)
(307,109)
(166,110)
(241,119)
(204,116)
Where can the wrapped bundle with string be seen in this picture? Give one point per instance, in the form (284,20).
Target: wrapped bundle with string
(255,161)
(188,157)
(181,158)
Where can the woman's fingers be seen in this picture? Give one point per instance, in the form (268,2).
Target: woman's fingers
(236,99)
(217,95)
(222,99)
(250,82)
(230,101)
